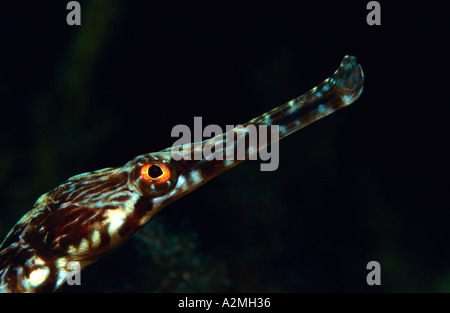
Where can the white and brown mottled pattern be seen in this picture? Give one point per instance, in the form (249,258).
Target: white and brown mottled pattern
(92,213)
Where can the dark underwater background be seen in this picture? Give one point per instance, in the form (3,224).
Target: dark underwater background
(367,183)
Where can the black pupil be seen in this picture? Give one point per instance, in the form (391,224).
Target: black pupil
(154,171)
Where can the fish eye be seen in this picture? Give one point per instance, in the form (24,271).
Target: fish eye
(155,172)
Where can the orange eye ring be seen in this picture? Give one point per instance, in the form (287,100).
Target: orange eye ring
(155,172)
